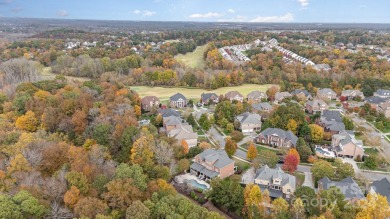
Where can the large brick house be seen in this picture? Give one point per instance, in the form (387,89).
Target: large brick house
(212,163)
(277,137)
(178,101)
(209,98)
(346,145)
(249,122)
(277,182)
(148,102)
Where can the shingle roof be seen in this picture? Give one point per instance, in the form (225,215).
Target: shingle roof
(207,96)
(326,91)
(281,133)
(298,91)
(376,100)
(169,112)
(347,186)
(382,187)
(256,95)
(268,174)
(177,97)
(220,157)
(331,115)
(262,106)
(148,99)
(232,94)
(383,92)
(249,118)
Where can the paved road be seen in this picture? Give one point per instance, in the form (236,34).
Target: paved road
(241,154)
(308,180)
(216,136)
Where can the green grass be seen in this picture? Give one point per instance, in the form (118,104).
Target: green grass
(300,178)
(371,151)
(241,164)
(193,59)
(194,93)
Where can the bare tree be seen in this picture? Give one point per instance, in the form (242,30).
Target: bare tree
(19,70)
(163,153)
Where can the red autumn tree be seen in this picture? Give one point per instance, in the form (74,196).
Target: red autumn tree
(291,161)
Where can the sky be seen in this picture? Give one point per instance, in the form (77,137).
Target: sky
(294,11)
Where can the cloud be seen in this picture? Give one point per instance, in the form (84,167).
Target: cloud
(62,13)
(5,2)
(145,13)
(16,10)
(237,18)
(304,3)
(275,19)
(206,15)
(231,11)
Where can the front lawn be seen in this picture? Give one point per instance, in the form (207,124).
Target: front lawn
(242,166)
(300,178)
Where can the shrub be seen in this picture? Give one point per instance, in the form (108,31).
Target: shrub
(237,136)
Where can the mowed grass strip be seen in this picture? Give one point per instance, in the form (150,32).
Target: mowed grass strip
(194,93)
(193,59)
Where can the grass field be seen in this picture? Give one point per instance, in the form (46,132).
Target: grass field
(194,93)
(193,59)
(47,74)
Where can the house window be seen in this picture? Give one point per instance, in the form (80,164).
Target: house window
(288,190)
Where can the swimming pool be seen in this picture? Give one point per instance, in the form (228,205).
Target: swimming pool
(195,184)
(325,152)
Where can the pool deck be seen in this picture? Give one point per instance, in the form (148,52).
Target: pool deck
(319,154)
(185,177)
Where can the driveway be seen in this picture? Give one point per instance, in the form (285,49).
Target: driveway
(308,180)
(241,154)
(353,163)
(217,137)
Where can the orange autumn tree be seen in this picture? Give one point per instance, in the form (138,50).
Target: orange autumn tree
(72,196)
(184,144)
(252,152)
(27,122)
(291,161)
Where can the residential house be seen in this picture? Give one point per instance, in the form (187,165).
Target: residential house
(346,145)
(279,96)
(256,96)
(352,94)
(348,187)
(212,163)
(277,182)
(382,93)
(302,94)
(209,98)
(324,67)
(178,101)
(169,112)
(384,108)
(148,102)
(171,122)
(184,131)
(234,95)
(249,122)
(374,101)
(332,121)
(381,187)
(265,106)
(277,137)
(326,94)
(316,105)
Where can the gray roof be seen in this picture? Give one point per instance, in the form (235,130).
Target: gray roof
(177,96)
(268,174)
(274,193)
(298,91)
(376,100)
(169,112)
(382,187)
(262,106)
(172,120)
(350,92)
(334,126)
(256,95)
(348,137)
(281,133)
(326,91)
(207,96)
(347,186)
(383,92)
(331,115)
(232,94)
(204,170)
(219,157)
(249,118)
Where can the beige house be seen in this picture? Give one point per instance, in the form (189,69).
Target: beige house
(384,108)
(171,122)
(352,94)
(148,102)
(277,182)
(326,94)
(185,132)
(234,95)
(316,105)
(279,96)
(249,122)
(212,163)
(256,96)
(346,145)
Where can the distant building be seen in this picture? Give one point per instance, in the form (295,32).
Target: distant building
(265,106)
(384,108)
(316,105)
(374,101)
(326,94)
(348,187)
(382,93)
(178,101)
(352,94)
(148,102)
(256,96)
(249,122)
(277,137)
(346,145)
(279,96)
(209,98)
(277,182)
(324,67)
(302,94)
(212,163)
(234,95)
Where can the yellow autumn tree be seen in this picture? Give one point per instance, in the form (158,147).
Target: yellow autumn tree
(252,152)
(72,196)
(253,201)
(42,95)
(27,122)
(18,163)
(292,126)
(279,207)
(374,206)
(142,152)
(316,132)
(137,110)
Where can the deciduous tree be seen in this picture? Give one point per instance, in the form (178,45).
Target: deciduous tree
(252,151)
(137,210)
(230,147)
(121,193)
(291,161)
(316,133)
(27,122)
